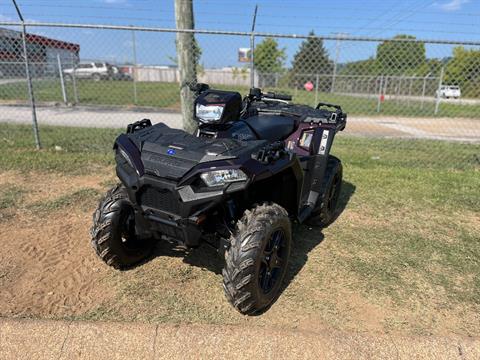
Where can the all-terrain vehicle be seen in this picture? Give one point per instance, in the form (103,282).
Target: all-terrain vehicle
(253,166)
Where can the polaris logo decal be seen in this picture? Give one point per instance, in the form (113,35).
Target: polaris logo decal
(171,151)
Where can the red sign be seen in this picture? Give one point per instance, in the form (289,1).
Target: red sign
(308,86)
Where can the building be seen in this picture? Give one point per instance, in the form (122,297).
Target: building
(42,54)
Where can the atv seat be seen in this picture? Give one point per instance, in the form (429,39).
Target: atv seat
(271,127)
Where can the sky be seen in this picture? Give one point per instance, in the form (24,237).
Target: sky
(456,20)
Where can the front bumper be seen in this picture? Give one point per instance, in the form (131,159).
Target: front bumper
(163,207)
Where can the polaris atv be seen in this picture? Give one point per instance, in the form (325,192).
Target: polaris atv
(253,166)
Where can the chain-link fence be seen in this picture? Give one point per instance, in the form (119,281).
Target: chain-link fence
(399,91)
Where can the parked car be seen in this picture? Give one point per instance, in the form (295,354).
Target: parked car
(119,73)
(90,70)
(449,91)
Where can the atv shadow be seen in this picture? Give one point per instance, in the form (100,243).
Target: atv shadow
(308,237)
(348,189)
(204,257)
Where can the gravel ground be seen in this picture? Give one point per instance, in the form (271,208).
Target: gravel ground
(43,339)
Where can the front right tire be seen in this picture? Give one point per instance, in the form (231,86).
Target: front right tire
(257,261)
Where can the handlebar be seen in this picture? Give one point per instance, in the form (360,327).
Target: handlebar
(198,88)
(256,94)
(272,95)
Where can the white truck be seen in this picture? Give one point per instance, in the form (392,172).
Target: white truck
(449,91)
(90,70)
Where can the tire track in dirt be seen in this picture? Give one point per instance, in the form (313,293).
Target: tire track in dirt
(55,272)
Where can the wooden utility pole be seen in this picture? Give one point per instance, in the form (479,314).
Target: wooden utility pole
(186,48)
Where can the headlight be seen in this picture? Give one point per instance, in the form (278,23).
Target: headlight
(208,113)
(126,157)
(221,177)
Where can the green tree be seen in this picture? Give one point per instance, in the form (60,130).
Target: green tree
(464,70)
(268,60)
(400,57)
(360,67)
(312,59)
(431,67)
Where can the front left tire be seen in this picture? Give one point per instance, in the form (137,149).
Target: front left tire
(113,232)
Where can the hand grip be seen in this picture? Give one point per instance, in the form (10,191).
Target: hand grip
(278,96)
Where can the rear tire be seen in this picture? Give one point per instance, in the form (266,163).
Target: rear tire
(96,77)
(113,231)
(326,211)
(257,261)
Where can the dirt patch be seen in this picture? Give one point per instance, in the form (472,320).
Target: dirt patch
(49,272)
(373,129)
(46,268)
(47,186)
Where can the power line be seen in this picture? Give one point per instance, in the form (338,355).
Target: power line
(326,19)
(356,9)
(96,7)
(376,29)
(410,13)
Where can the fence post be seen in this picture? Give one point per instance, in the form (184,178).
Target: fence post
(62,82)
(316,90)
(385,87)
(399,89)
(380,92)
(74,81)
(187,61)
(134,50)
(30,87)
(409,91)
(440,80)
(252,48)
(424,87)
(29,79)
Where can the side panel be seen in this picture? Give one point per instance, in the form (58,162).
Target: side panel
(316,164)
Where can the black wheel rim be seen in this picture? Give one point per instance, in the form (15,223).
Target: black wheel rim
(333,193)
(272,262)
(127,232)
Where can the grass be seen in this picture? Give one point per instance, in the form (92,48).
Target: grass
(81,199)
(167,95)
(89,92)
(403,256)
(10,197)
(82,149)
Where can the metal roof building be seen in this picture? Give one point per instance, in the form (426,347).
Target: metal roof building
(42,53)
